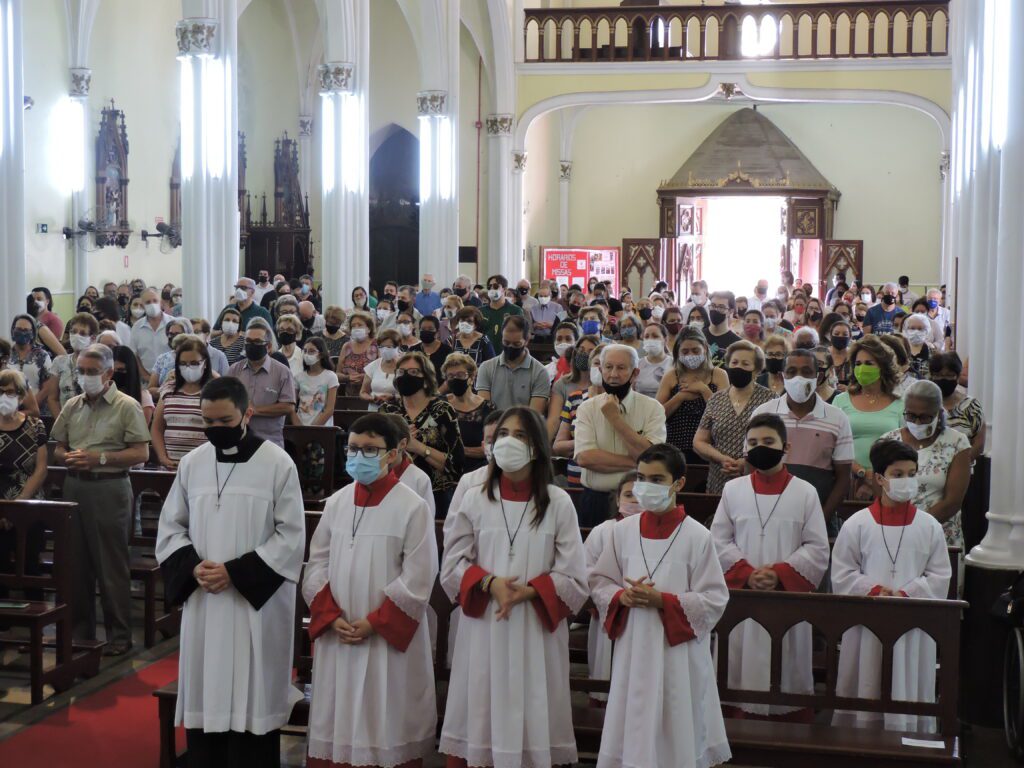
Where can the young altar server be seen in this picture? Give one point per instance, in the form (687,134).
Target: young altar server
(513,558)
(372,564)
(230,546)
(599,645)
(407,472)
(770,534)
(660,591)
(890,550)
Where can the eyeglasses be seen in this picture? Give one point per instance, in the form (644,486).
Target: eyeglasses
(370,452)
(917,418)
(416,373)
(80,372)
(457,377)
(200,364)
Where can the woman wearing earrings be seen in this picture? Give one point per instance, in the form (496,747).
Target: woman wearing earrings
(513,541)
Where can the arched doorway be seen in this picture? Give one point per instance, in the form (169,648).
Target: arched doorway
(394,209)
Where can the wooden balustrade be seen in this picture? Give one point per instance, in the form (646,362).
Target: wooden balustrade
(867,29)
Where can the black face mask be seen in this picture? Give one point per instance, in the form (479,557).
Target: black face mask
(840,342)
(573,310)
(255,352)
(120,379)
(581,361)
(408,385)
(717,317)
(946,386)
(286,338)
(513,353)
(888,300)
(332,329)
(739,377)
(523,291)
(618,390)
(645,313)
(764,458)
(458,387)
(225,437)
(403,305)
(815,317)
(774,364)
(307,322)
(460,292)
(427,337)
(264,279)
(123,300)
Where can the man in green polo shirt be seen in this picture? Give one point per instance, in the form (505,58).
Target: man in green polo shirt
(245,304)
(497,309)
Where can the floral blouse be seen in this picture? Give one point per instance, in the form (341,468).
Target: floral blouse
(966,416)
(18,451)
(728,428)
(437,427)
(351,362)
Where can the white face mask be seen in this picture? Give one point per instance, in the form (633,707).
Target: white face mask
(866,297)
(466,328)
(360,334)
(310,359)
(388,353)
(561,349)
(494,294)
(544,300)
(653,496)
(900,489)
(230,327)
(383,313)
(657,311)
(241,294)
(91,385)
(654,347)
(8,405)
(922,431)
(192,373)
(405,329)
(692,361)
(42,305)
(80,341)
(916,337)
(595,376)
(511,454)
(153,309)
(698,324)
(800,389)
(138,312)
(770,323)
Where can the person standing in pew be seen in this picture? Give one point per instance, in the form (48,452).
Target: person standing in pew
(235,571)
(408,473)
(513,539)
(99,435)
(372,565)
(769,534)
(890,550)
(659,591)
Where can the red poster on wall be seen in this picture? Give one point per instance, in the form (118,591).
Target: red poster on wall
(575,266)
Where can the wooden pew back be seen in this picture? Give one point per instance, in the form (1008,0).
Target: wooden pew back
(297,439)
(55,517)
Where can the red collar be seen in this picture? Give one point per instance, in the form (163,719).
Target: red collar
(400,468)
(512,491)
(653,526)
(770,485)
(563,367)
(373,494)
(901,514)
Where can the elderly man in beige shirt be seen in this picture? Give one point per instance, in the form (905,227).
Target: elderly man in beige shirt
(612,430)
(100,434)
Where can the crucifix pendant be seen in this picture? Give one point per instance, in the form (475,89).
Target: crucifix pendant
(893,572)
(762,533)
(511,552)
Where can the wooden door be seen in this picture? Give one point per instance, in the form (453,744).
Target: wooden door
(840,256)
(641,264)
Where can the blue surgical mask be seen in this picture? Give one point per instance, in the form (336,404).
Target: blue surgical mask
(591,327)
(933,304)
(363,469)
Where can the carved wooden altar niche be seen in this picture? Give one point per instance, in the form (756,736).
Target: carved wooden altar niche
(111,216)
(282,244)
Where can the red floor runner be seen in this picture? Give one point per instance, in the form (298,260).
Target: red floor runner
(117,726)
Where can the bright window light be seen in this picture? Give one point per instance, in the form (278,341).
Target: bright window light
(187,119)
(327,141)
(67,145)
(735,258)
(445,159)
(426,158)
(353,142)
(214,96)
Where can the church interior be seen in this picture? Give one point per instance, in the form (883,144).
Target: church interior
(670,153)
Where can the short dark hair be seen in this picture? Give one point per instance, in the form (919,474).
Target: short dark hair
(771,420)
(885,453)
(226,388)
(401,426)
(903,280)
(493,417)
(668,455)
(945,361)
(518,322)
(499,279)
(376,425)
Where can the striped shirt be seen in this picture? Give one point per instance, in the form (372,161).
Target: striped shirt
(184,420)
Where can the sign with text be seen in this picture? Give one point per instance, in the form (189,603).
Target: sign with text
(575,266)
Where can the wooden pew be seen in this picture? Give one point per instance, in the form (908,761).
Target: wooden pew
(350,404)
(72,660)
(296,440)
(143,564)
(345,419)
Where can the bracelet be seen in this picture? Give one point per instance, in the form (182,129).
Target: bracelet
(485,585)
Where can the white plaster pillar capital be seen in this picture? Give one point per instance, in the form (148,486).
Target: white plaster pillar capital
(499,125)
(518,161)
(305,126)
(196,36)
(81,81)
(336,77)
(431,103)
(565,171)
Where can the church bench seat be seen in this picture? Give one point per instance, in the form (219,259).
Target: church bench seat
(343,403)
(297,439)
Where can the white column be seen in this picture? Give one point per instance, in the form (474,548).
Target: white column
(12,161)
(208,52)
(564,180)
(345,147)
(305,151)
(987,200)
(514,258)
(499,137)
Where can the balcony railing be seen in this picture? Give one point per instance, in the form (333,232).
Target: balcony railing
(867,29)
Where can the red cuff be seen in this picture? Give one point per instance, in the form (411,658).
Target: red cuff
(615,623)
(737,576)
(549,606)
(790,579)
(673,617)
(875,591)
(390,622)
(903,594)
(322,612)
(472,599)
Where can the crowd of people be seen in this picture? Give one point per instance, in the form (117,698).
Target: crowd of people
(483,403)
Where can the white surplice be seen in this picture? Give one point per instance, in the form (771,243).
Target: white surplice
(373,704)
(663,709)
(419,481)
(794,534)
(508,698)
(860,562)
(599,645)
(235,663)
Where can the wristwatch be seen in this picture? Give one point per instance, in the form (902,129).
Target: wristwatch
(103,459)
(861,474)
(426,453)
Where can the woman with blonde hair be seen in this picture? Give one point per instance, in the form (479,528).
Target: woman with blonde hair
(459,375)
(357,353)
(775,350)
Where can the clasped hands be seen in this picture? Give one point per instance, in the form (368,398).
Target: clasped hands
(354,633)
(508,593)
(212,577)
(763,579)
(641,594)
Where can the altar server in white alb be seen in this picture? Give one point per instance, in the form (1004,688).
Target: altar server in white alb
(599,645)
(230,547)
(513,558)
(409,474)
(372,565)
(770,534)
(660,591)
(890,549)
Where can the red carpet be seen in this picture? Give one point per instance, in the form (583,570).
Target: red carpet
(116,726)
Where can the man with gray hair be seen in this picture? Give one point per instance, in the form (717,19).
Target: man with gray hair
(99,435)
(879,319)
(462,287)
(612,430)
(806,338)
(268,381)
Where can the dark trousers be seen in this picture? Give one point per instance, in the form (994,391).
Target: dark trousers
(231,749)
(595,507)
(442,500)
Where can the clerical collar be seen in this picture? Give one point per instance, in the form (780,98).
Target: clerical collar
(244,451)
(516,491)
(901,514)
(373,494)
(400,467)
(655,526)
(770,485)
